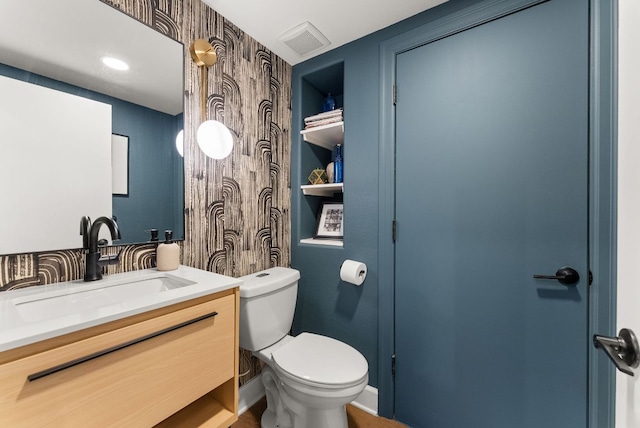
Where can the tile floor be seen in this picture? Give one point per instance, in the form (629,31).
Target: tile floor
(357,418)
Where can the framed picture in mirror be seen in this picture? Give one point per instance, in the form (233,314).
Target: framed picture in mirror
(120,165)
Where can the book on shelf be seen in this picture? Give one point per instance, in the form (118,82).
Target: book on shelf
(332,116)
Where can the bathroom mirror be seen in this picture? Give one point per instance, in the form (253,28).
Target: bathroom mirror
(59,45)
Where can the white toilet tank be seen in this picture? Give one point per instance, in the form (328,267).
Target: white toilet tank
(267,303)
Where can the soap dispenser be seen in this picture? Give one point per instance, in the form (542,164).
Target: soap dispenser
(168,253)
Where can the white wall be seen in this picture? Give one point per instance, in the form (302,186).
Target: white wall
(55,166)
(628,388)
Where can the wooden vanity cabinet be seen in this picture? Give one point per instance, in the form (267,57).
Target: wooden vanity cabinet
(175,366)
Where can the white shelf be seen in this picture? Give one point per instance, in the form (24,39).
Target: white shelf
(326,136)
(326,242)
(322,189)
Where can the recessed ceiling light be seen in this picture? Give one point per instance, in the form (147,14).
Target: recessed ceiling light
(115,63)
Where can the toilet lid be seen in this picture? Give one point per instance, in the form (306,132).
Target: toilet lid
(321,360)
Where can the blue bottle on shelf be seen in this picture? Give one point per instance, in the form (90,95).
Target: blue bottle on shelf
(329,103)
(337,165)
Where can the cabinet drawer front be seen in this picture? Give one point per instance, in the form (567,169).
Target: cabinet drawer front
(134,376)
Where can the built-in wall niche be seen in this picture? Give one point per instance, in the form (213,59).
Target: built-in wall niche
(317,147)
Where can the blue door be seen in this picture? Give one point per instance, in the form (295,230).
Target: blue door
(491,189)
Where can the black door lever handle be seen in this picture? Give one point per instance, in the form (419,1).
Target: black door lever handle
(565,275)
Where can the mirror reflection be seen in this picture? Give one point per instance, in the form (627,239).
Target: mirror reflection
(62,106)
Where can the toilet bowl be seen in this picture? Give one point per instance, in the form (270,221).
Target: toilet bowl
(308,378)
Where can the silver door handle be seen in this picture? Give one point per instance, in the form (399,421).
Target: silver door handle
(623,350)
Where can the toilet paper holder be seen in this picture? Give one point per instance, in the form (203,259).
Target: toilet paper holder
(353,272)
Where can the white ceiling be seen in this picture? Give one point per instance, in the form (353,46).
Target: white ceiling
(64,41)
(341,21)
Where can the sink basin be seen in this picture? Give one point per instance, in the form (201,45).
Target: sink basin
(33,314)
(93,296)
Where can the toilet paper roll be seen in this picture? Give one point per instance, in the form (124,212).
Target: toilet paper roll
(353,272)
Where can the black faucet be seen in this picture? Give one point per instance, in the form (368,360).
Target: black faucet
(94,259)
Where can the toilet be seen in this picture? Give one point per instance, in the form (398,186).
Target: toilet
(308,378)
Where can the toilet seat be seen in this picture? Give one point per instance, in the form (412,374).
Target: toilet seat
(321,361)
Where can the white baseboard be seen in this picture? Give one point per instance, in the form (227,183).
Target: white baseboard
(367,400)
(251,392)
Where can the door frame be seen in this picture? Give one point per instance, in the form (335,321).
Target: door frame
(602,188)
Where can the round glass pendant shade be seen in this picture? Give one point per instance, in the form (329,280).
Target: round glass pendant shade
(215,139)
(180,142)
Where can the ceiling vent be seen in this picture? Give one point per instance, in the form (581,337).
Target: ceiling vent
(304,39)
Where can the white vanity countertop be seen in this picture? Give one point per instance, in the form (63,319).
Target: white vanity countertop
(38,313)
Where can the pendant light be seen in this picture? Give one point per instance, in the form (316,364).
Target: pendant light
(213,137)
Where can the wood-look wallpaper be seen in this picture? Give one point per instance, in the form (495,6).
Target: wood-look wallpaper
(237,210)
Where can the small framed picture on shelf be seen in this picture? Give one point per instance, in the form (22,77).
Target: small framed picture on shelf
(330,221)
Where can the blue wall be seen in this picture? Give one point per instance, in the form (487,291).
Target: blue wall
(156,197)
(326,305)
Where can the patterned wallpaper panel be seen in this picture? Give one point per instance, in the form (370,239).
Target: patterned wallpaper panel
(26,270)
(237,210)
